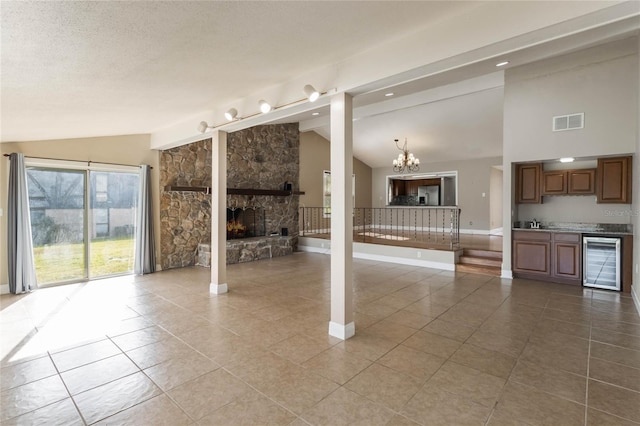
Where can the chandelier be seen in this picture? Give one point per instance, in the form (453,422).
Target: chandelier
(406,160)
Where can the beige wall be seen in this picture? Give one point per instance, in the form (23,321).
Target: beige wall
(473,181)
(495,198)
(129,150)
(636,203)
(314,159)
(602,82)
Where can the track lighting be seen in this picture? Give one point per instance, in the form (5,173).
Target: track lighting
(311,93)
(203,126)
(231,114)
(264,106)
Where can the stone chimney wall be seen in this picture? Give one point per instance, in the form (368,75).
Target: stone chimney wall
(262,157)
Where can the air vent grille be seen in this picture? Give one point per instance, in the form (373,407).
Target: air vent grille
(568,122)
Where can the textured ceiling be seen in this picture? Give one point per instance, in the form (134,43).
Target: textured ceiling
(78,69)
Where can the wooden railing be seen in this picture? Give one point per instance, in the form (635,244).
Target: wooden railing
(437,227)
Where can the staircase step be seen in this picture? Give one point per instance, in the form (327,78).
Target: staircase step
(482,253)
(482,261)
(479,269)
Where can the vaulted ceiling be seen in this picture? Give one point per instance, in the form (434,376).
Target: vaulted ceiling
(81,69)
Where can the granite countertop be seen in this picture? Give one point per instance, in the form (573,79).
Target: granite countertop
(582,228)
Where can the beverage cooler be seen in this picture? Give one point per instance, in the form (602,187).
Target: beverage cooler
(601,262)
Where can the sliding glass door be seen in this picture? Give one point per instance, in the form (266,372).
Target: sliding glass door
(58,226)
(82,222)
(113,197)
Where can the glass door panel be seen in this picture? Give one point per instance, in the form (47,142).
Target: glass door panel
(113,197)
(57,203)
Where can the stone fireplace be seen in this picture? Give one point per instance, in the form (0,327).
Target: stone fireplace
(260,162)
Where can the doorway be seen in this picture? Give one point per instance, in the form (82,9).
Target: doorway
(82,222)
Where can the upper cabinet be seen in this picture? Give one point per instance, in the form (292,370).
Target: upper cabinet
(528,183)
(614,180)
(582,181)
(554,182)
(569,182)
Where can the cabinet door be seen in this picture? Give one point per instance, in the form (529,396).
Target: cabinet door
(528,183)
(398,188)
(532,257)
(614,180)
(582,181)
(554,182)
(566,258)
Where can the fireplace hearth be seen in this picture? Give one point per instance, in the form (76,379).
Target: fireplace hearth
(245,222)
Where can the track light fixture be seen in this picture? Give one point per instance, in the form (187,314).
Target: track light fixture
(231,114)
(311,93)
(203,126)
(264,106)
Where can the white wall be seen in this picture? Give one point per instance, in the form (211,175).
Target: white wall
(602,82)
(495,199)
(473,181)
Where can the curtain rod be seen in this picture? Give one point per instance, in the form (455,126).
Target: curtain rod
(81,161)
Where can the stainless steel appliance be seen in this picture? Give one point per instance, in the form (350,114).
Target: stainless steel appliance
(601,262)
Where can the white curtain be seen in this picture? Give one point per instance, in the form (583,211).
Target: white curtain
(145,260)
(22,271)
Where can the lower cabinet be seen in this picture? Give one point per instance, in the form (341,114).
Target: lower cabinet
(546,255)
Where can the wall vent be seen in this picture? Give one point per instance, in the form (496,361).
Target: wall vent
(568,122)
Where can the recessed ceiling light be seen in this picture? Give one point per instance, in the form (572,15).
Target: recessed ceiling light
(388,94)
(567,159)
(502,64)
(315,113)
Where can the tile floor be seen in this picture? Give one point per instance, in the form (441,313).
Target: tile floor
(432,348)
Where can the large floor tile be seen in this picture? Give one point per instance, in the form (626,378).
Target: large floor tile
(98,373)
(106,400)
(488,361)
(159,410)
(418,365)
(26,372)
(62,413)
(76,357)
(176,371)
(384,386)
(615,374)
(433,344)
(250,409)
(551,380)
(434,406)
(207,393)
(533,406)
(31,396)
(614,400)
(337,365)
(468,383)
(344,407)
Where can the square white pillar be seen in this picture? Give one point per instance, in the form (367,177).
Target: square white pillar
(218,213)
(341,325)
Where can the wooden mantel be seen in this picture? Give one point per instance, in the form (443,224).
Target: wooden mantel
(235,191)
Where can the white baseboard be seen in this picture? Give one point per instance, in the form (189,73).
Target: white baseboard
(218,288)
(342,331)
(506,274)
(4,289)
(496,231)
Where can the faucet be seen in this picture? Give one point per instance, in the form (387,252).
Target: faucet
(535,224)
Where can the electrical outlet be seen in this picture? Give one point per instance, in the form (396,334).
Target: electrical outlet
(470,223)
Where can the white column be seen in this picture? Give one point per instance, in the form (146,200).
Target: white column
(341,325)
(218,213)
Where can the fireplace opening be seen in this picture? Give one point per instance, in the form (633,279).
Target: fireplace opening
(245,222)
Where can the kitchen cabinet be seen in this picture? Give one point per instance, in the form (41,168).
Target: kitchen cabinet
(528,183)
(569,182)
(554,182)
(549,256)
(399,187)
(567,261)
(613,180)
(581,181)
(532,253)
